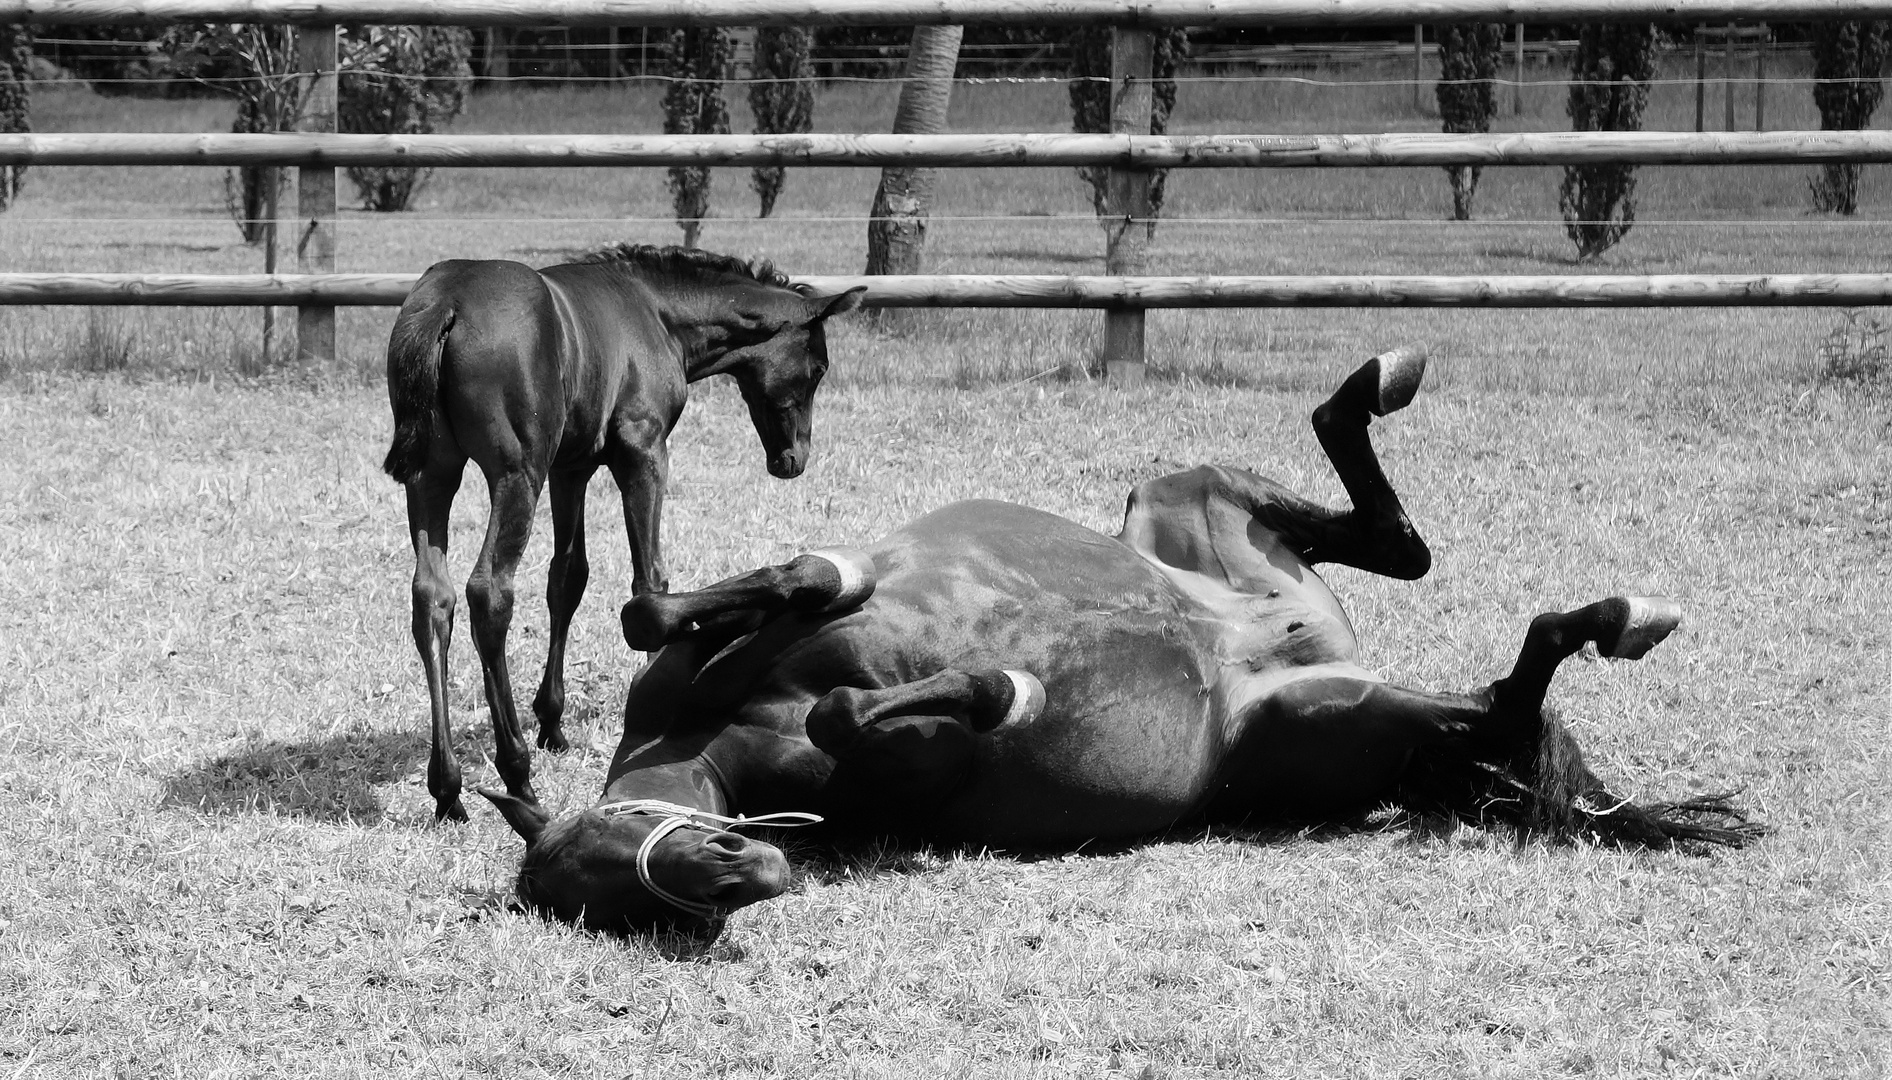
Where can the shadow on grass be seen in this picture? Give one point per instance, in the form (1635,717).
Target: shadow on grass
(330,779)
(835,859)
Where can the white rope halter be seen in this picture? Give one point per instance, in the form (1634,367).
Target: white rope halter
(677,816)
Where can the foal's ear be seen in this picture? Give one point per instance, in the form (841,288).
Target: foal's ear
(842,304)
(528,819)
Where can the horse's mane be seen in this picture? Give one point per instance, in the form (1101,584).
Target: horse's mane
(688,262)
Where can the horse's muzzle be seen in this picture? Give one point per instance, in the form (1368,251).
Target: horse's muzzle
(760,872)
(788,464)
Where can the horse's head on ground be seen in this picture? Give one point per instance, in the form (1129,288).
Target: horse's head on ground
(746,320)
(638,868)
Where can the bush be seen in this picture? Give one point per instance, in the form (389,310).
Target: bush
(783,107)
(1610,86)
(16,53)
(1848,58)
(1468,62)
(399,80)
(1090,102)
(1855,351)
(697,59)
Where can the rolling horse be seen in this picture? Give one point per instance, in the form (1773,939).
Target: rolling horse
(546,375)
(997,675)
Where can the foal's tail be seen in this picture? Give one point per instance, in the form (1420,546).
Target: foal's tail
(414,348)
(1547,790)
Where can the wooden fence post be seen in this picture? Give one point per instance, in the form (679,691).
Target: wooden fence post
(1127,199)
(1517,84)
(1760,80)
(315,195)
(1701,76)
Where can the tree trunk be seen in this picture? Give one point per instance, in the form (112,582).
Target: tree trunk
(16,54)
(896,237)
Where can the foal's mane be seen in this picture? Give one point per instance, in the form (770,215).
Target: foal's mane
(688,262)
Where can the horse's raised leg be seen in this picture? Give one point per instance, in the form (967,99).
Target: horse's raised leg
(1623,628)
(564,588)
(429,503)
(489,598)
(830,579)
(918,736)
(1326,745)
(1376,534)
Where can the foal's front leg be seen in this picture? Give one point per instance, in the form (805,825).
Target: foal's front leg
(640,463)
(489,596)
(564,588)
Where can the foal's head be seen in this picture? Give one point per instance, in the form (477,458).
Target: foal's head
(779,371)
(747,320)
(584,868)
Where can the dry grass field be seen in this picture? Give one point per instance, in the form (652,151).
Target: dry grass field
(214,833)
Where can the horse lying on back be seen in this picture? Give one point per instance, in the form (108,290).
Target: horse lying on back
(997,675)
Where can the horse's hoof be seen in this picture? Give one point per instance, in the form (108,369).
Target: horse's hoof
(1400,372)
(646,628)
(1641,622)
(1017,698)
(831,724)
(451,810)
(845,574)
(553,739)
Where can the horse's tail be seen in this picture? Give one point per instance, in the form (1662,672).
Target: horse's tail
(414,349)
(1545,789)
(1566,801)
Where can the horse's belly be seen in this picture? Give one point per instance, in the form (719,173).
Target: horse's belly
(1126,742)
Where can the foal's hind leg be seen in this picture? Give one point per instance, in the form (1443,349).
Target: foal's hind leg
(830,579)
(429,502)
(489,597)
(564,588)
(917,738)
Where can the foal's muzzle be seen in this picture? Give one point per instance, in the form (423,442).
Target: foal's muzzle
(788,464)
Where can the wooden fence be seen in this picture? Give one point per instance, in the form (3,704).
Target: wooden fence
(1129,152)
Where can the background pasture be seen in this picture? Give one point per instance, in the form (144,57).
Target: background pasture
(212,819)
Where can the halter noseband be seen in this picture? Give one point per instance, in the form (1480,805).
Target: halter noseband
(677,816)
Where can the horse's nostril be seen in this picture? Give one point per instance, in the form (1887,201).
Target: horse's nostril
(728,843)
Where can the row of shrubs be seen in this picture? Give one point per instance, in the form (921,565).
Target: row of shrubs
(411,80)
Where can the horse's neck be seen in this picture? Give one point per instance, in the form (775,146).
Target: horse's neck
(693,782)
(699,320)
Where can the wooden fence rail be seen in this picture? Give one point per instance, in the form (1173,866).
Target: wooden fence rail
(1044,290)
(958,151)
(1135,13)
(1128,153)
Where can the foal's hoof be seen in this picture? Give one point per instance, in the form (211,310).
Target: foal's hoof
(553,739)
(1400,372)
(1005,697)
(450,810)
(845,576)
(1636,624)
